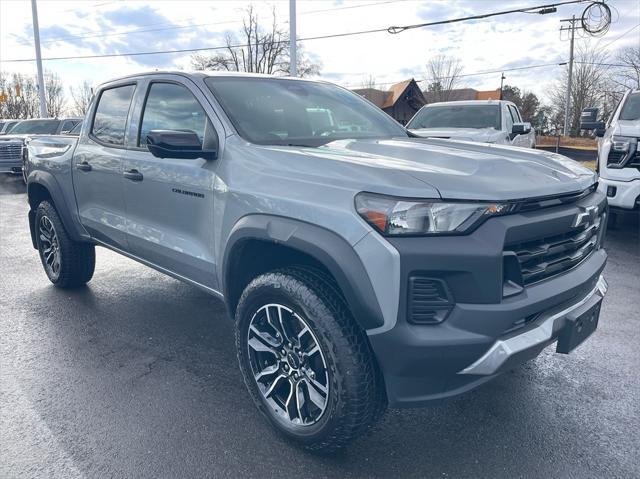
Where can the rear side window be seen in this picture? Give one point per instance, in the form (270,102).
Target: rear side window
(110,120)
(171,107)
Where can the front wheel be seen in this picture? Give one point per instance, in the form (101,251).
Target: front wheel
(307,365)
(67,263)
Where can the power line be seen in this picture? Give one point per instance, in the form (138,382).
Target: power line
(619,37)
(395,30)
(497,70)
(319,37)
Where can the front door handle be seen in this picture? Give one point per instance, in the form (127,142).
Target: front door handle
(84,166)
(133,175)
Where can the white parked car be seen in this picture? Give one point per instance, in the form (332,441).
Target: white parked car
(485,121)
(618,153)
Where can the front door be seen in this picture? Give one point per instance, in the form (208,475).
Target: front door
(170,201)
(97,168)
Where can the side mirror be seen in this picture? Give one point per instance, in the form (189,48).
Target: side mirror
(521,128)
(183,144)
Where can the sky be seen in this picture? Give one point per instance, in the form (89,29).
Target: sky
(91,27)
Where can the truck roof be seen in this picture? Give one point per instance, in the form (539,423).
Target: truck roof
(470,102)
(205,74)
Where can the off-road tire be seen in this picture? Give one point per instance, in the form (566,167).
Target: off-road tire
(356,396)
(77,259)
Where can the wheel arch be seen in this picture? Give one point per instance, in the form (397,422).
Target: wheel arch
(42,186)
(260,243)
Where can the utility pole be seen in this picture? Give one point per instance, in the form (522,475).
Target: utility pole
(502,77)
(293,59)
(567,102)
(36,39)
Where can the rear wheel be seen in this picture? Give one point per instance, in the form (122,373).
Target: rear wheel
(307,365)
(67,263)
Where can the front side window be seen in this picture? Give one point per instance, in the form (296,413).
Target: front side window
(171,107)
(36,127)
(510,120)
(279,111)
(514,114)
(457,116)
(631,108)
(110,120)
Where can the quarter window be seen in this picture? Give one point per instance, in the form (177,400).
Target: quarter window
(171,107)
(111,114)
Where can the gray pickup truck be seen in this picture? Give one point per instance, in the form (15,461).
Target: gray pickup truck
(363,267)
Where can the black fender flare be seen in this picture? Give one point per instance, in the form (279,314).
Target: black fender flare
(325,246)
(49,182)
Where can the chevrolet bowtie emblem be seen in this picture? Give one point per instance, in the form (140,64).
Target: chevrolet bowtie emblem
(586,216)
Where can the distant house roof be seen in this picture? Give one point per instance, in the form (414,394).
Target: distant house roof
(462,94)
(375,96)
(488,95)
(386,99)
(396,92)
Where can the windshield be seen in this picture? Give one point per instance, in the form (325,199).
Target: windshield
(631,108)
(277,111)
(36,127)
(457,116)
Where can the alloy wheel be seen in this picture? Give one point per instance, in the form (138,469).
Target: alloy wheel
(49,246)
(288,365)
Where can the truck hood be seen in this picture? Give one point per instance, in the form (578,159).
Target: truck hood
(627,128)
(21,138)
(483,135)
(461,170)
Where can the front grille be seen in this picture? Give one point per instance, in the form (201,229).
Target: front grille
(545,257)
(619,159)
(10,152)
(615,157)
(635,161)
(556,200)
(429,300)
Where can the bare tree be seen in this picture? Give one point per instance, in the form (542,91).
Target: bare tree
(81,98)
(369,82)
(54,94)
(21,97)
(628,75)
(589,84)
(443,76)
(258,50)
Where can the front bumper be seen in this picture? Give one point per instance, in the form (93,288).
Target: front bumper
(505,351)
(489,329)
(625,194)
(11,167)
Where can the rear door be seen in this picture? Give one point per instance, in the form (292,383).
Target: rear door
(170,201)
(97,166)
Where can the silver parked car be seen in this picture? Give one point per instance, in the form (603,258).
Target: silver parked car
(485,121)
(11,144)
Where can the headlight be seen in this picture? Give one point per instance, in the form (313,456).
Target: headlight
(394,216)
(623,144)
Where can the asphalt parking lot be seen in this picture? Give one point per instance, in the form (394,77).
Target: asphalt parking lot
(135,376)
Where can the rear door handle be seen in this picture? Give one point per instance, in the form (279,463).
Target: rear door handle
(133,175)
(84,166)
